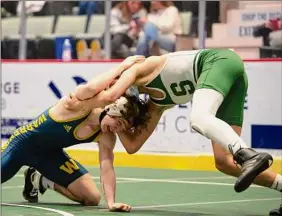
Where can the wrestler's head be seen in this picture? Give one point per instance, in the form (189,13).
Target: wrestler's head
(129,112)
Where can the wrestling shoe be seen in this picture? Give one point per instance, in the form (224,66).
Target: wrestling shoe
(252,164)
(32,185)
(276,212)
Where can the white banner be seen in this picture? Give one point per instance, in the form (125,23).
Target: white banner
(30,88)
(242,22)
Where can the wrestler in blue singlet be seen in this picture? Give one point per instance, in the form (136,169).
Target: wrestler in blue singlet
(40,144)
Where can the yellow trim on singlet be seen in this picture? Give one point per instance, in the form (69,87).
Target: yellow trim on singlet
(67,120)
(91,134)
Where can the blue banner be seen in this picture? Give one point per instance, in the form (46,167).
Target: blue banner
(8,125)
(266,136)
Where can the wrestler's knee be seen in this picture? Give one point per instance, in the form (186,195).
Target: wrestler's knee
(85,189)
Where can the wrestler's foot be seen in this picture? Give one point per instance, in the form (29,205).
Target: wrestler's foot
(32,185)
(252,163)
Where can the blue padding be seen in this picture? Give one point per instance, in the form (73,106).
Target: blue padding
(266,136)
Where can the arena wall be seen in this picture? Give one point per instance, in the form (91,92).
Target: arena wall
(30,87)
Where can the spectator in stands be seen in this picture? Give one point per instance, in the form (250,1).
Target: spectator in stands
(91,7)
(159,28)
(271,31)
(30,7)
(46,8)
(123,29)
(275,37)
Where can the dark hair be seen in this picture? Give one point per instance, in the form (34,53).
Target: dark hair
(137,113)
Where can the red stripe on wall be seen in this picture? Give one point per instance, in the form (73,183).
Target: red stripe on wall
(109,61)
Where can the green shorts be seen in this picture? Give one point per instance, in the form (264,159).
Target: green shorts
(223,71)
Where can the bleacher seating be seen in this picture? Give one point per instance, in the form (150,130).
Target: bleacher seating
(10,27)
(97,25)
(70,25)
(236,33)
(39,25)
(41,31)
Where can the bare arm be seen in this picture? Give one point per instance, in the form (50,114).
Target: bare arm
(103,81)
(106,97)
(107,174)
(131,76)
(132,142)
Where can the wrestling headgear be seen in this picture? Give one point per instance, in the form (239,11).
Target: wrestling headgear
(120,107)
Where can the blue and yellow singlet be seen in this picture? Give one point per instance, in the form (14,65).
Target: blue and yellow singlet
(46,132)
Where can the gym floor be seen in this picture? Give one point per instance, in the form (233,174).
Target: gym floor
(152,192)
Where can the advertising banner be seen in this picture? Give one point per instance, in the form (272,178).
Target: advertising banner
(30,88)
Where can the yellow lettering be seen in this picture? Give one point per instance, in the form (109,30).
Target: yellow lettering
(22,129)
(3,147)
(29,127)
(39,120)
(35,123)
(16,133)
(69,166)
(12,137)
(42,119)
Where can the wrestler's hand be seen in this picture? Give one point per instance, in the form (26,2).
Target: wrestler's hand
(72,102)
(120,207)
(129,61)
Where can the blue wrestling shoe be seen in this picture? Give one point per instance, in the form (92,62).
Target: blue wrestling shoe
(32,185)
(276,212)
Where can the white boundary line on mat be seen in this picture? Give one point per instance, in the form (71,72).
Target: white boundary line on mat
(136,180)
(12,187)
(180,178)
(204,203)
(180,182)
(63,213)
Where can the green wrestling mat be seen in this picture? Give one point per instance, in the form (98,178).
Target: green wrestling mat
(152,192)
